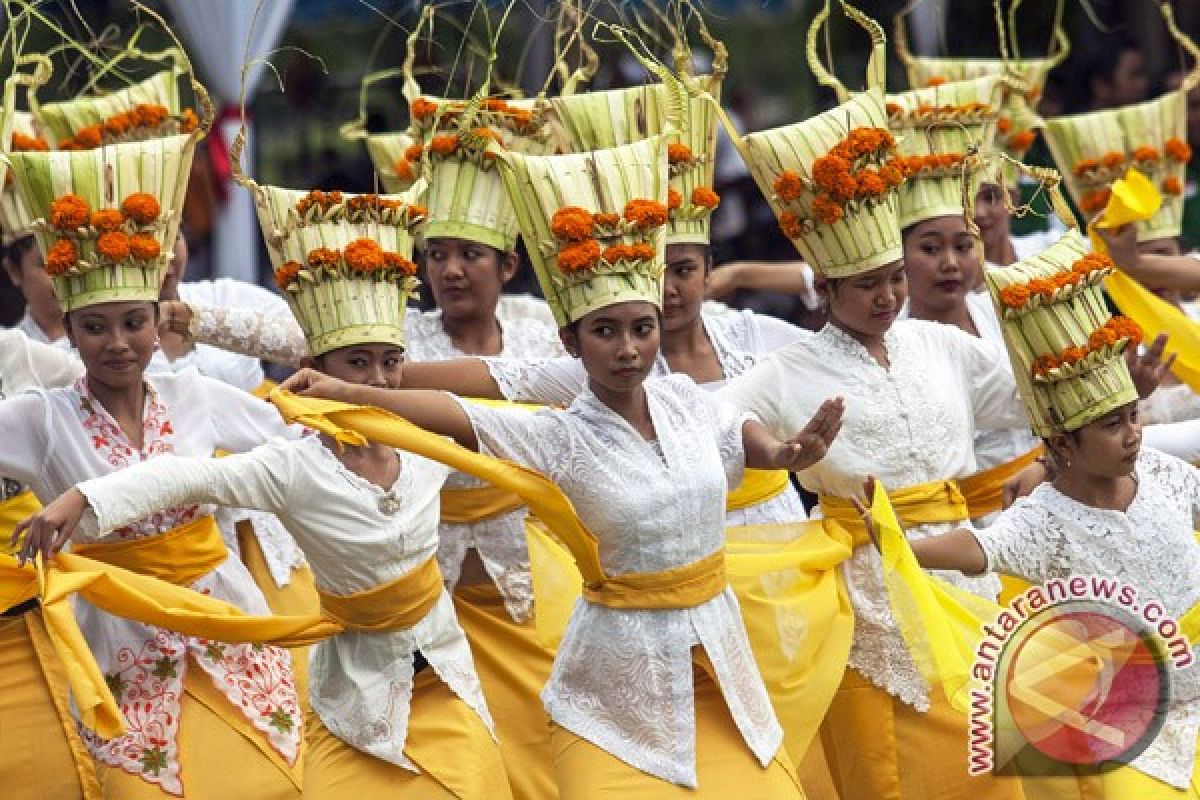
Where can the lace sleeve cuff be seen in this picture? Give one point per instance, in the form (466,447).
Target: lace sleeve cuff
(249,332)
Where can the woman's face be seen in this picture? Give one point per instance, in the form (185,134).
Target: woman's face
(867,304)
(1106,448)
(466,277)
(684,285)
(30,276)
(991,211)
(942,262)
(618,344)
(115,341)
(379,365)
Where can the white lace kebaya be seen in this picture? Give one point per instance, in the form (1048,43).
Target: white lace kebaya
(911,423)
(739,338)
(500,540)
(56,438)
(356,537)
(1151,546)
(623,679)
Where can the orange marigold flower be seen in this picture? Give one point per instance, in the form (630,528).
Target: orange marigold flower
(617,252)
(1125,328)
(522,118)
(486,133)
(107,219)
(149,115)
(399,263)
(579,256)
(416,212)
(118,124)
(791,225)
(323,257)
(1172,185)
(403,169)
(894,109)
(422,108)
(645,213)
(871,184)
(606,219)
(1084,166)
(1146,153)
(62,257)
(287,273)
(188,121)
(674,199)
(141,207)
(364,255)
(1041,286)
(1102,337)
(892,173)
(1113,159)
(572,224)
(828,172)
(1015,296)
(1021,141)
(705,197)
(935,80)
(1094,200)
(1073,355)
(788,186)
(1034,92)
(1004,124)
(494,104)
(413,152)
(1043,364)
(89,137)
(23,143)
(69,211)
(679,153)
(113,245)
(444,144)
(1178,150)
(144,247)
(826,210)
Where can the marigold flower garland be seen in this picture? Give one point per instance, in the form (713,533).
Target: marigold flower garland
(578,231)
(425,113)
(1116,330)
(1145,158)
(361,257)
(143,121)
(1018,296)
(116,234)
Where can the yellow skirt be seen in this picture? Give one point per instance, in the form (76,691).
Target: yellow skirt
(725,766)
(814,773)
(447,741)
(879,748)
(42,757)
(513,667)
(220,754)
(297,598)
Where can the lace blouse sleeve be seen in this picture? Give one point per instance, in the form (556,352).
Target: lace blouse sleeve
(548,381)
(1180,439)
(274,337)
(726,422)
(1018,542)
(534,439)
(758,392)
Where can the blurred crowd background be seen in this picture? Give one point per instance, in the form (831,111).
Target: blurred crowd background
(1120,54)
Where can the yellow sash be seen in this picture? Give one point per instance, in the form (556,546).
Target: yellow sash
(180,556)
(393,606)
(757,486)
(984,491)
(923,504)
(681,587)
(12,511)
(477,504)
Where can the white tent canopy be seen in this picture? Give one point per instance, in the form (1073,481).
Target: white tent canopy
(216,32)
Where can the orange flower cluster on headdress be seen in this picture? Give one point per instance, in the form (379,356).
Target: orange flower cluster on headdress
(444,144)
(144,247)
(1172,185)
(23,143)
(364,255)
(141,207)
(1146,153)
(864,143)
(69,212)
(399,263)
(1018,295)
(579,256)
(572,224)
(62,257)
(371,202)
(791,225)
(606,219)
(645,214)
(403,169)
(679,153)
(424,111)
(628,252)
(113,246)
(971,109)
(705,197)
(287,273)
(674,199)
(1112,332)
(422,108)
(1110,161)
(935,80)
(1095,200)
(323,257)
(788,186)
(317,199)
(1004,124)
(144,119)
(826,210)
(107,219)
(1021,141)
(1178,150)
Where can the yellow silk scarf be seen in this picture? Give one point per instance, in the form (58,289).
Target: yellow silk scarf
(396,605)
(757,486)
(984,491)
(479,503)
(180,556)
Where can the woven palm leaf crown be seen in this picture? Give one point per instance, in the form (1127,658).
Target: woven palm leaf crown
(106,206)
(1093,150)
(831,180)
(594,223)
(19,133)
(1018,122)
(1065,347)
(943,133)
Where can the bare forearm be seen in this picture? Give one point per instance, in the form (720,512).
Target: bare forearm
(1165,272)
(760,446)
(957,550)
(465,377)
(433,410)
(787,277)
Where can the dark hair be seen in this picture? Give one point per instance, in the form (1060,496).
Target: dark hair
(16,250)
